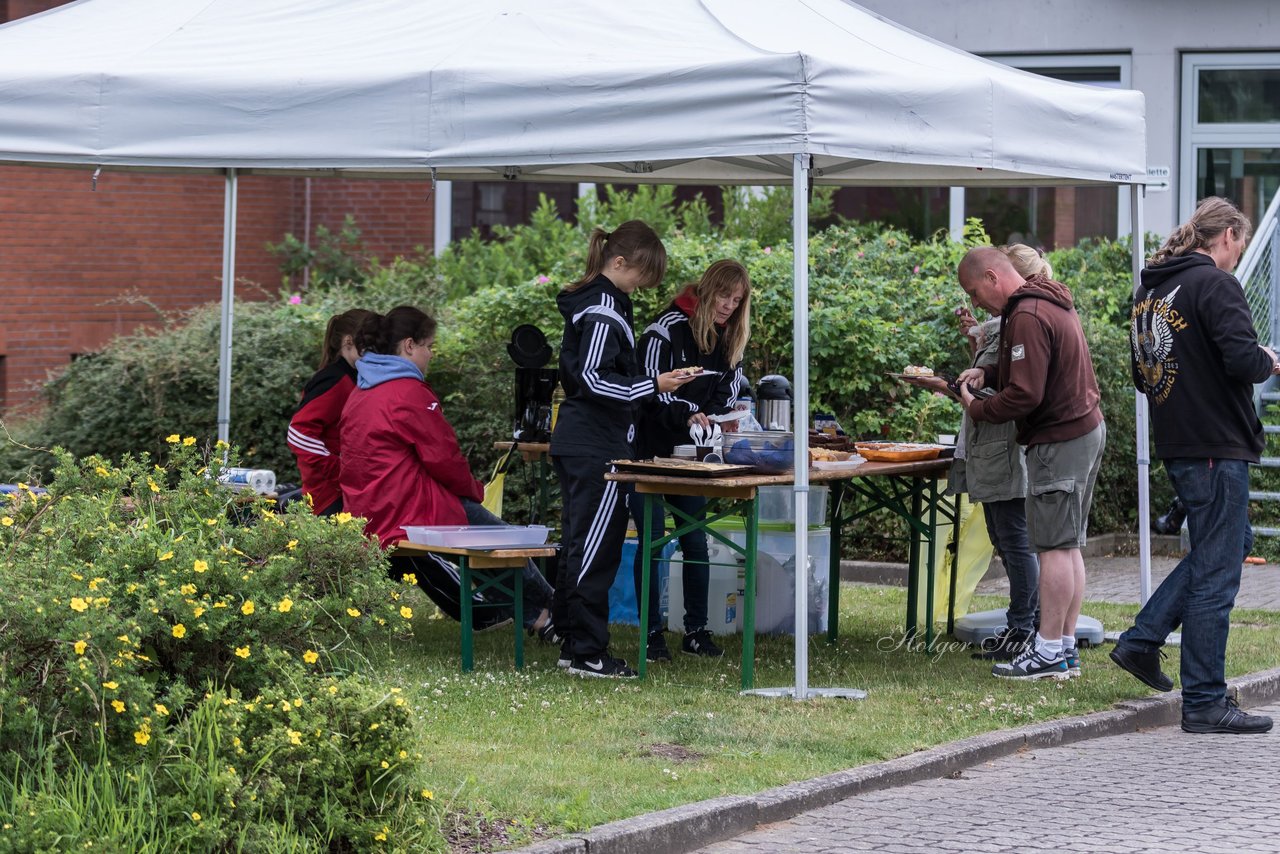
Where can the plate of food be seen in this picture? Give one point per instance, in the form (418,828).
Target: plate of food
(897,452)
(695,371)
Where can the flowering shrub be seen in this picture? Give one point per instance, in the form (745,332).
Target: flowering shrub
(152,616)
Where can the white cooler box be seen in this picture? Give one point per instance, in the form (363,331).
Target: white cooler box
(775,582)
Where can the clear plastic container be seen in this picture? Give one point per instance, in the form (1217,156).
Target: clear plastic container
(478,536)
(768,451)
(777,504)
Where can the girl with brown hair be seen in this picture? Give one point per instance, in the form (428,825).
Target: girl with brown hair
(706,326)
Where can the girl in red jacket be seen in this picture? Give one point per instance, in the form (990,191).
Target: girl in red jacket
(313,431)
(401,464)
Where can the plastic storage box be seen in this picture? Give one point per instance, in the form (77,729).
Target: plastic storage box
(767,451)
(775,575)
(725,588)
(478,536)
(777,505)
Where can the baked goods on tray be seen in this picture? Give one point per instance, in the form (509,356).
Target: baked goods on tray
(897,452)
(917,371)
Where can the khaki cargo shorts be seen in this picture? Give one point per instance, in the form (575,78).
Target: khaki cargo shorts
(1060,479)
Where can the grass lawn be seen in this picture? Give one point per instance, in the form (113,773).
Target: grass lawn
(521,755)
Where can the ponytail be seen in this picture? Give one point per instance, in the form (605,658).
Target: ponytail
(635,242)
(382,333)
(1027,260)
(1213,216)
(340,326)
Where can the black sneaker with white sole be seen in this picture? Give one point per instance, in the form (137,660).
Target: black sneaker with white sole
(699,642)
(566,657)
(1032,665)
(656,647)
(601,666)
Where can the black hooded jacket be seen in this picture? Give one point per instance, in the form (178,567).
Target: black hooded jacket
(1196,357)
(599,373)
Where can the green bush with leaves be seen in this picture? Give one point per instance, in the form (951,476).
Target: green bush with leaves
(878,301)
(156,620)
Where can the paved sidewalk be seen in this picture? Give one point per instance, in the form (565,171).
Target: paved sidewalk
(1117,579)
(1157,790)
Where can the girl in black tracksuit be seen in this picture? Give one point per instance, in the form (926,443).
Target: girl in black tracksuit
(706,326)
(602,382)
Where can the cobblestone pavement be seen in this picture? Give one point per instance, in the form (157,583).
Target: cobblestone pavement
(1202,793)
(1116,579)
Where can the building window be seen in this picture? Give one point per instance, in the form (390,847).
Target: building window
(480,205)
(1230,130)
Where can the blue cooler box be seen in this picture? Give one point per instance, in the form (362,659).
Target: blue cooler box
(622,595)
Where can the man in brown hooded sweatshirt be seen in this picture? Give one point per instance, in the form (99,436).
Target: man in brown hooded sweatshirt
(1045,383)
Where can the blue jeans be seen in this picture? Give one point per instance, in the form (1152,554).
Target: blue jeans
(1201,591)
(537,592)
(1007,529)
(695,571)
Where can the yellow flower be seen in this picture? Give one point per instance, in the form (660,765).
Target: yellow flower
(247,608)
(291,545)
(311,656)
(118,706)
(353,612)
(151,483)
(189,441)
(428,795)
(78,604)
(406,612)
(221,443)
(242,651)
(342,518)
(382,837)
(404,754)
(111,686)
(101,471)
(197,611)
(195,816)
(285,605)
(333,689)
(187,590)
(409,578)
(179,631)
(166,556)
(295,737)
(142,736)
(386,764)
(122,638)
(6,521)
(200,566)
(80,647)
(173,438)
(161,709)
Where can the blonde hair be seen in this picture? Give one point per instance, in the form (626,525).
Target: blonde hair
(1213,216)
(635,242)
(1027,260)
(721,279)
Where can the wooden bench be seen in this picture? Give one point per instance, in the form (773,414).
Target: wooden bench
(497,570)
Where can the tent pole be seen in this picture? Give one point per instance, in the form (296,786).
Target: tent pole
(1140,420)
(228,303)
(800,410)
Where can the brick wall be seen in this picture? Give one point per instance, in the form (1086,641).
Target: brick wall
(79,266)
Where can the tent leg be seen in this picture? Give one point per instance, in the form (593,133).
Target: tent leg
(1141,443)
(228,304)
(800,430)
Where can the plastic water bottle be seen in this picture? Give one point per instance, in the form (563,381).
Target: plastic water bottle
(261,481)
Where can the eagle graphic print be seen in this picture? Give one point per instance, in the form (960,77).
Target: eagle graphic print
(1154,323)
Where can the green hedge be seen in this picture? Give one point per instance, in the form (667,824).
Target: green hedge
(878,301)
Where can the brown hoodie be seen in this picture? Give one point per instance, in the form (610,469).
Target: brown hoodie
(1044,373)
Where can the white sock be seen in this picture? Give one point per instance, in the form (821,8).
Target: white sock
(1068,643)
(1048,649)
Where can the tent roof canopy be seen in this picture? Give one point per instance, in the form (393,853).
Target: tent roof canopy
(674,91)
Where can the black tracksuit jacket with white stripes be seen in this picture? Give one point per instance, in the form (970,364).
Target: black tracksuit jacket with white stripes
(667,344)
(600,374)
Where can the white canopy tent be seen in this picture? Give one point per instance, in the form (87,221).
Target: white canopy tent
(674,91)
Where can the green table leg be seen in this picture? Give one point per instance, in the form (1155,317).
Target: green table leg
(518,572)
(749,605)
(464,590)
(955,566)
(833,578)
(931,487)
(913,568)
(646,552)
